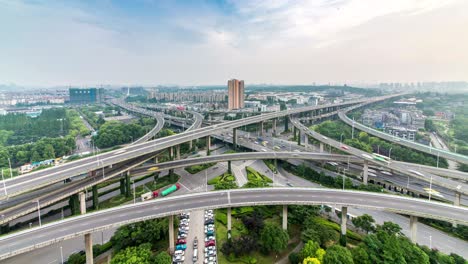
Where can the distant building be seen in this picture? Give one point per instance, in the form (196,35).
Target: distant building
(235,94)
(86,96)
(402,132)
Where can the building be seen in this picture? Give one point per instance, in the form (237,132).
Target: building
(402,132)
(235,94)
(86,96)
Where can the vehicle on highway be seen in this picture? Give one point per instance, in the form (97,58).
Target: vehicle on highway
(170,189)
(178,258)
(179,252)
(289,184)
(276,148)
(324,137)
(264,150)
(209,221)
(153,168)
(367,156)
(416,172)
(345,147)
(386,173)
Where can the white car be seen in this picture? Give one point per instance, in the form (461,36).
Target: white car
(210,248)
(209,238)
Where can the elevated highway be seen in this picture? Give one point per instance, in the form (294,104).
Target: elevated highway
(403,142)
(31,239)
(48,176)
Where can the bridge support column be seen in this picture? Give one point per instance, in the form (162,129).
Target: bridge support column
(344,218)
(229,167)
(190,145)
(274,127)
(128,191)
(208,145)
(457,199)
(262,132)
(413,228)
(306,141)
(298,137)
(82,198)
(156,160)
(89,248)
(286,123)
(171,153)
(285,217)
(95,197)
(321,147)
(178,152)
(234,138)
(229,222)
(365,172)
(171,234)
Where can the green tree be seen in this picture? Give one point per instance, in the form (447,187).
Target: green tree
(309,249)
(150,231)
(273,238)
(338,255)
(364,222)
(311,260)
(134,255)
(360,255)
(162,258)
(389,228)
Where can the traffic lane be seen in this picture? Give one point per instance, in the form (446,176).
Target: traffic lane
(97,220)
(384,202)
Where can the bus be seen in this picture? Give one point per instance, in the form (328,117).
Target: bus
(381,158)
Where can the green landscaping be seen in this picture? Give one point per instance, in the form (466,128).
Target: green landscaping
(223,181)
(197,168)
(256,179)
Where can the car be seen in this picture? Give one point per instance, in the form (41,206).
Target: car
(367,156)
(386,173)
(296,150)
(344,147)
(195,242)
(210,243)
(264,150)
(181,247)
(178,258)
(324,137)
(289,184)
(209,221)
(183,235)
(210,248)
(181,241)
(209,238)
(209,259)
(211,253)
(179,252)
(209,225)
(209,233)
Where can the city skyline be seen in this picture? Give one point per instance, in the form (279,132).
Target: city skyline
(48,43)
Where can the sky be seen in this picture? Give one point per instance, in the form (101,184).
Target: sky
(162,42)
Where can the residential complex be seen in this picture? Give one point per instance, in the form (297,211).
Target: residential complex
(235,94)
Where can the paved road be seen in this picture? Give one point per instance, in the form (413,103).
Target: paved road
(439,143)
(24,241)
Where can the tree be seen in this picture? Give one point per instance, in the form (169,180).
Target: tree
(134,255)
(309,249)
(338,255)
(360,255)
(162,258)
(310,260)
(254,223)
(273,238)
(150,231)
(364,222)
(389,228)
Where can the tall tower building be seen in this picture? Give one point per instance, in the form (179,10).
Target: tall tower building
(235,94)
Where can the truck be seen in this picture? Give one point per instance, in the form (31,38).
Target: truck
(156,193)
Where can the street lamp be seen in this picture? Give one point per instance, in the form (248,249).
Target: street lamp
(437,159)
(134,194)
(9,164)
(430,188)
(341,139)
(61,253)
(38,211)
(390,153)
(4,185)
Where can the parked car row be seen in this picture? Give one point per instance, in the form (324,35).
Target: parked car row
(210,239)
(181,244)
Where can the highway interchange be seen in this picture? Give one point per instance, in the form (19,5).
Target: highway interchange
(234,198)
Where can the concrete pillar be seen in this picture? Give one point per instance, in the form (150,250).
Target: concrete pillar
(234,138)
(95,197)
(156,160)
(171,153)
(128,190)
(321,147)
(457,199)
(171,234)
(262,131)
(298,137)
(344,219)
(365,172)
(190,145)
(229,167)
(208,145)
(82,198)
(413,228)
(89,248)
(274,127)
(178,152)
(285,217)
(306,141)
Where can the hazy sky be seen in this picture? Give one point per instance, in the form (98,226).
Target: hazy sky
(207,42)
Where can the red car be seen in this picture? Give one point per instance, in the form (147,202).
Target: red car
(344,147)
(210,243)
(181,241)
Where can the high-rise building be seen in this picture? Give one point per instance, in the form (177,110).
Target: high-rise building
(86,96)
(235,94)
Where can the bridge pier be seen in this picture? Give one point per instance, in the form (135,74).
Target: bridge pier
(89,248)
(262,131)
(365,172)
(285,217)
(208,145)
(82,198)
(95,197)
(234,138)
(229,222)
(190,145)
(298,137)
(229,167)
(286,123)
(127,184)
(171,234)
(156,160)
(321,147)
(344,219)
(413,228)
(306,141)
(178,152)
(274,127)
(171,153)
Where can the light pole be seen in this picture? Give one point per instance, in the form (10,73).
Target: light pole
(430,188)
(38,211)
(206,181)
(430,242)
(61,253)
(341,139)
(9,164)
(390,153)
(4,185)
(134,194)
(437,159)
(378,149)
(352,131)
